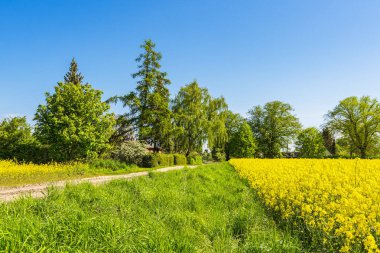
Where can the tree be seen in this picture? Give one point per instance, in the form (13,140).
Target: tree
(346,148)
(242,143)
(190,108)
(14,134)
(73,76)
(329,140)
(123,131)
(74,122)
(357,119)
(217,135)
(273,126)
(148,105)
(233,122)
(310,143)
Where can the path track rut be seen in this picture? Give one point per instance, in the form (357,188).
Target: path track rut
(39,190)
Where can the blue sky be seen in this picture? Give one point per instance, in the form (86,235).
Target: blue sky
(310,54)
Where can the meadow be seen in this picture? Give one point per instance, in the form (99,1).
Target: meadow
(207,209)
(331,205)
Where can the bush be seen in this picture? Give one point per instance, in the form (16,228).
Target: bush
(194,159)
(130,152)
(180,159)
(108,164)
(207,157)
(218,155)
(165,159)
(148,161)
(154,160)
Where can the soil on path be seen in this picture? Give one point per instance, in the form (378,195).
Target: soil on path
(39,190)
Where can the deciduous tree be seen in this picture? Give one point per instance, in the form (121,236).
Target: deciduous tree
(74,122)
(190,108)
(273,126)
(242,143)
(310,143)
(357,119)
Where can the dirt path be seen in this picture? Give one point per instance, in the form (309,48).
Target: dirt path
(39,190)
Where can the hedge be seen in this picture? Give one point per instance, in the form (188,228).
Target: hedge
(155,160)
(194,160)
(180,159)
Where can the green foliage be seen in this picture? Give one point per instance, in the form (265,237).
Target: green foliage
(345,148)
(15,133)
(149,111)
(202,210)
(233,122)
(108,164)
(198,118)
(194,159)
(190,117)
(157,159)
(217,135)
(148,161)
(17,142)
(130,152)
(73,76)
(274,127)
(218,155)
(165,160)
(179,159)
(123,131)
(310,143)
(357,120)
(242,143)
(329,141)
(207,156)
(74,122)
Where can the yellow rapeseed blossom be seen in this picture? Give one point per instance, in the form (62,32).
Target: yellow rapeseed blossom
(337,200)
(12,173)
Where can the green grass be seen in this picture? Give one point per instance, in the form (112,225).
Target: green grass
(92,169)
(208,209)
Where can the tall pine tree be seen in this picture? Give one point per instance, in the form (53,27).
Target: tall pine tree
(329,140)
(73,76)
(149,111)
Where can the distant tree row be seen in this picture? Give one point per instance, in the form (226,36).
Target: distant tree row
(76,124)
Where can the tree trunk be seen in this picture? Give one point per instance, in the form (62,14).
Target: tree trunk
(363,153)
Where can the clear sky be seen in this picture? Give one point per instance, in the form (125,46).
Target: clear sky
(310,54)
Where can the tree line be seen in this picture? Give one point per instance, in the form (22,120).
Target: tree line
(75,123)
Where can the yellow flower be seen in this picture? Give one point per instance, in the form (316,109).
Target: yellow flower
(338,199)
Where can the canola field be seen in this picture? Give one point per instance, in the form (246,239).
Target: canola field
(12,173)
(333,205)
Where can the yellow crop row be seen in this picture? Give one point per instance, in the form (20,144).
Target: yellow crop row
(12,173)
(335,202)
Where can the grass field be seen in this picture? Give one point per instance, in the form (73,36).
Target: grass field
(208,209)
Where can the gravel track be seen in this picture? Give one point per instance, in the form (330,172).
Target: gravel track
(39,190)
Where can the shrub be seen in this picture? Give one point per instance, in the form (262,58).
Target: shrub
(218,155)
(154,160)
(194,159)
(17,142)
(148,161)
(165,159)
(180,159)
(130,152)
(108,164)
(206,156)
